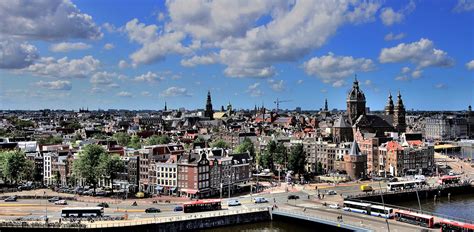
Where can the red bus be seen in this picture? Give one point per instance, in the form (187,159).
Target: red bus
(454,226)
(449,180)
(202,205)
(414,218)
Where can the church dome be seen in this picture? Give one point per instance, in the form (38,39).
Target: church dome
(356,93)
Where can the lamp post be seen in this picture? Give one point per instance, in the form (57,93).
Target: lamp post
(383,204)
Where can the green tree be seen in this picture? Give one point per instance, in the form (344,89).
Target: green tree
(15,166)
(135,142)
(199,139)
(297,159)
(245,146)
(57,178)
(281,154)
(89,164)
(50,140)
(220,144)
(123,139)
(112,164)
(156,139)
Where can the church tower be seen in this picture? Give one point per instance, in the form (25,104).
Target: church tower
(166,107)
(389,108)
(326,105)
(355,102)
(399,115)
(209,112)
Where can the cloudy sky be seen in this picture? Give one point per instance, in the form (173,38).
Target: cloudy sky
(139,54)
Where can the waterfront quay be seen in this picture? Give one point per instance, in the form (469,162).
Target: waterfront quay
(308,207)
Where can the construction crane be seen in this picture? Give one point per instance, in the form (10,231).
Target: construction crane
(278,101)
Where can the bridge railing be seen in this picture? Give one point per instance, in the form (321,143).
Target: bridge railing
(323,219)
(125,223)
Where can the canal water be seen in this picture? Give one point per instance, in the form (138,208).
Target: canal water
(271,226)
(460,206)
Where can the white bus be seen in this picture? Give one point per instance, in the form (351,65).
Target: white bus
(381,211)
(82,212)
(394,186)
(358,207)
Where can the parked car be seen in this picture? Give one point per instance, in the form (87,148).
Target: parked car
(152,210)
(334,206)
(54,199)
(233,203)
(103,205)
(101,193)
(258,200)
(293,197)
(60,202)
(178,208)
(393,179)
(10,199)
(331,192)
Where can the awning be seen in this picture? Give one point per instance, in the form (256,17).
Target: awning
(159,188)
(190,191)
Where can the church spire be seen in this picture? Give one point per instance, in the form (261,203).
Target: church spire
(389,108)
(209,112)
(326,105)
(166,107)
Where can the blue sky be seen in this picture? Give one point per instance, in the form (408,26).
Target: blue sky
(139,54)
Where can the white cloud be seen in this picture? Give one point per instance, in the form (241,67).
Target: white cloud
(155,46)
(124,94)
(109,27)
(102,78)
(200,60)
(416,74)
(66,47)
(470,65)
(148,77)
(254,90)
(405,70)
(160,16)
(390,17)
(244,45)
(174,92)
(15,55)
(55,85)
(249,72)
(441,86)
(64,68)
(299,82)
(113,85)
(390,36)
(146,94)
(122,64)
(464,5)
(338,83)
(332,69)
(46,20)
(109,46)
(401,78)
(277,86)
(422,53)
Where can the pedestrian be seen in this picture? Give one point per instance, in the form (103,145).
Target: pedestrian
(274,201)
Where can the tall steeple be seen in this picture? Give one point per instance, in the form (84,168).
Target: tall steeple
(166,107)
(355,102)
(389,108)
(399,115)
(326,105)
(209,111)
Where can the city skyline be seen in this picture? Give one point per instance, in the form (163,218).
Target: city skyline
(121,56)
